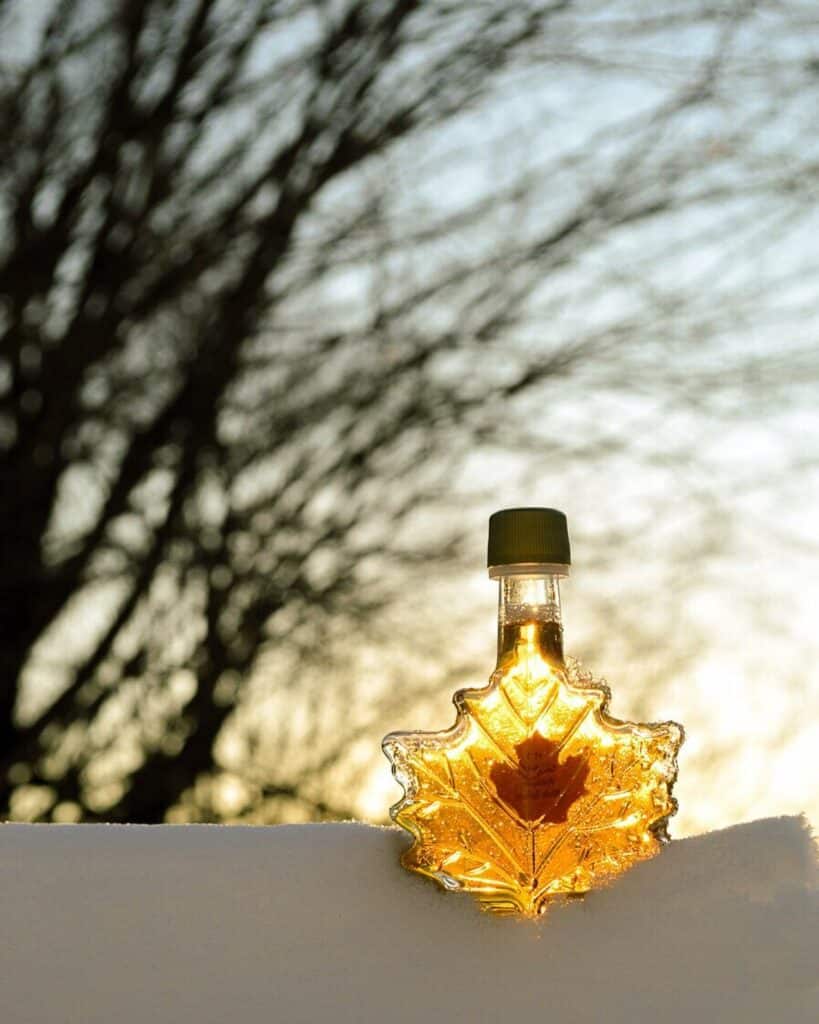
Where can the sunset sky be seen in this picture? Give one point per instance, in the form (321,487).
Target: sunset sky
(712,491)
(612,255)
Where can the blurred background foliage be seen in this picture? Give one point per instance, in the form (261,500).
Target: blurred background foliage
(293,294)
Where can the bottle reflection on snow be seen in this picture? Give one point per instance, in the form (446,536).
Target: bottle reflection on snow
(536,792)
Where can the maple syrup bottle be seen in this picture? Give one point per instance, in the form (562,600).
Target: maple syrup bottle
(536,793)
(529,553)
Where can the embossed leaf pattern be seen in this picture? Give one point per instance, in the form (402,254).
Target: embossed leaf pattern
(536,792)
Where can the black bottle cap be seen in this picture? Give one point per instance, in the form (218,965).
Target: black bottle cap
(519,535)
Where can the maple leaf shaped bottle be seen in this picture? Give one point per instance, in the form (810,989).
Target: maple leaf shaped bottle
(536,792)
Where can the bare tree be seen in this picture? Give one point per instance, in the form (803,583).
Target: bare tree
(260,300)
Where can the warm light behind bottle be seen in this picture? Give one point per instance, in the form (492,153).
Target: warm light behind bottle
(536,792)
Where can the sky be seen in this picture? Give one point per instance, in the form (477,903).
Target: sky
(726,641)
(720,636)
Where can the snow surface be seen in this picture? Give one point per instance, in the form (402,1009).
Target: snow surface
(307,923)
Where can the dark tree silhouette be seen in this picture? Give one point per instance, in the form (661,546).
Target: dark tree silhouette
(251,326)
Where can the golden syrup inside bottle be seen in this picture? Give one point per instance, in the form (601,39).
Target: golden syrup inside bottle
(537,792)
(545,637)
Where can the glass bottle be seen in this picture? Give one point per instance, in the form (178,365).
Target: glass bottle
(536,792)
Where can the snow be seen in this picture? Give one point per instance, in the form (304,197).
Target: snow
(305,923)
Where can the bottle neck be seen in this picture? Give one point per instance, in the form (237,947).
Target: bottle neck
(529,616)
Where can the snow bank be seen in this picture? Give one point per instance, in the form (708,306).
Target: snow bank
(200,924)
